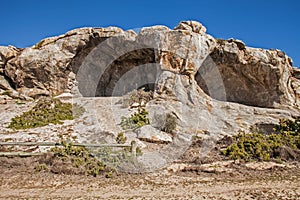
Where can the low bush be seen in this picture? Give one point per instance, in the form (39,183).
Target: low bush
(69,159)
(139,151)
(46,111)
(41,167)
(262,147)
(136,120)
(121,138)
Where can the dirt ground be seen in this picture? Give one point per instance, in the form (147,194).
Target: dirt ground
(19,180)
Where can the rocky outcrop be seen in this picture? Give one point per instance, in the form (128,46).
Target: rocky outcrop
(6,54)
(210,87)
(226,70)
(43,69)
(255,77)
(295,83)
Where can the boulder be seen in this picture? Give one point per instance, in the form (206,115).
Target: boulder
(192,26)
(150,134)
(46,65)
(7,53)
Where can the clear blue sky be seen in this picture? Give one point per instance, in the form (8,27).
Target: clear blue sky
(259,23)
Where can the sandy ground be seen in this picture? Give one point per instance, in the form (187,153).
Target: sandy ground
(18,180)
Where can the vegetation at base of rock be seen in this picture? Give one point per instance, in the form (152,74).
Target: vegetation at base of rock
(170,123)
(137,96)
(136,120)
(70,159)
(46,111)
(286,125)
(121,138)
(263,147)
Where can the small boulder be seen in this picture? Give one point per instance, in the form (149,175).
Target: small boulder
(192,26)
(150,134)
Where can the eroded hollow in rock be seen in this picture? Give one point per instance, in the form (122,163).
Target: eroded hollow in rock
(235,82)
(133,70)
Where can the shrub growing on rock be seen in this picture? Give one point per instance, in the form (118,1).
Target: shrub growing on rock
(46,111)
(121,138)
(136,120)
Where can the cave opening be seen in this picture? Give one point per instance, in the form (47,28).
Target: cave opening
(134,70)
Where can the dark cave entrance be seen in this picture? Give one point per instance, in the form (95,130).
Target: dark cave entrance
(134,70)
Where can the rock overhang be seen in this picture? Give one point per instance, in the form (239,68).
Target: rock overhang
(249,76)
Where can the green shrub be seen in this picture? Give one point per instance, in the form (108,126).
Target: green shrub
(79,157)
(288,125)
(136,120)
(46,111)
(257,146)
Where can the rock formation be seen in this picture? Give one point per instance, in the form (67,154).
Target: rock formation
(250,76)
(214,87)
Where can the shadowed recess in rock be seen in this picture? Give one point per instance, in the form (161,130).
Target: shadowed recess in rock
(133,70)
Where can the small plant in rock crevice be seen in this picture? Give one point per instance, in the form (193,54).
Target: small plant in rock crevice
(121,138)
(139,151)
(136,120)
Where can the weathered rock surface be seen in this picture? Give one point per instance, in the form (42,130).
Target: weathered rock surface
(151,134)
(255,77)
(47,65)
(7,53)
(191,26)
